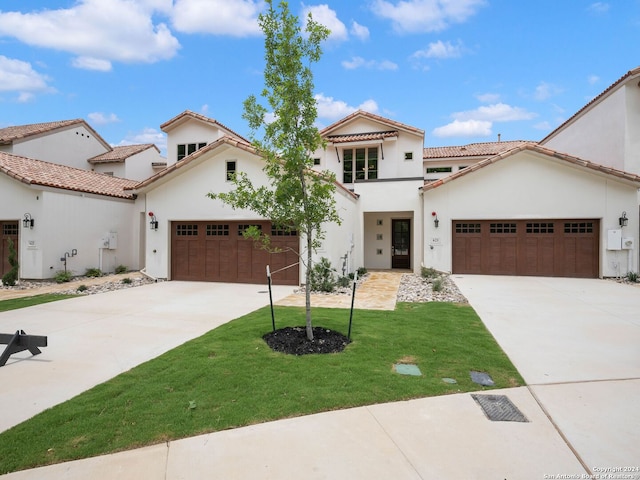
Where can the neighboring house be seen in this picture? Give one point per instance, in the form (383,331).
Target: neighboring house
(607,129)
(58,215)
(440,162)
(134,162)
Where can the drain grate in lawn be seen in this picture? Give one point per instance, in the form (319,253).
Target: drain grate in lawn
(498,408)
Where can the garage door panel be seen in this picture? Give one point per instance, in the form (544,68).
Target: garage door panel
(217,251)
(526,247)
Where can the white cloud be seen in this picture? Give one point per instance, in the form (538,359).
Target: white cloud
(545,125)
(324,15)
(498,112)
(19,76)
(488,97)
(593,79)
(147,135)
(99,118)
(359,31)
(464,128)
(96,31)
(440,49)
(359,62)
(598,8)
(420,16)
(331,109)
(545,90)
(238,18)
(204,109)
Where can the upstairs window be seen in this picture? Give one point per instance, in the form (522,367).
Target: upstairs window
(186,149)
(231,170)
(360,164)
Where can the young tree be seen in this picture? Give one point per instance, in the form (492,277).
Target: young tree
(297,197)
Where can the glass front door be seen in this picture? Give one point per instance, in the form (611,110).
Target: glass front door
(401,243)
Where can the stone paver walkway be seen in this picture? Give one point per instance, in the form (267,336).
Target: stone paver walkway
(378,292)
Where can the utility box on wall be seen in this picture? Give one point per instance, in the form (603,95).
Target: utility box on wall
(110,241)
(627,243)
(614,239)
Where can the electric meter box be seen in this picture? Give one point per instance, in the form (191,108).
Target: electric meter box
(614,239)
(627,243)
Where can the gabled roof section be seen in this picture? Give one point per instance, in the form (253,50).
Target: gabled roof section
(121,153)
(189,115)
(471,150)
(533,147)
(618,83)
(361,137)
(9,135)
(46,174)
(390,124)
(186,161)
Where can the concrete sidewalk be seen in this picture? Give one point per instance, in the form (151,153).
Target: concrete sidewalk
(582,412)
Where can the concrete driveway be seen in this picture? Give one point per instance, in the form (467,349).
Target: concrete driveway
(94,338)
(576,342)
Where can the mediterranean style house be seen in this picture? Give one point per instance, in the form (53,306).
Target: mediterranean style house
(560,207)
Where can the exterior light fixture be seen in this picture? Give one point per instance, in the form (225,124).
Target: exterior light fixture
(436,222)
(623,219)
(153,224)
(28,221)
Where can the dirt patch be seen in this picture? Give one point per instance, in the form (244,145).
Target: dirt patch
(293,340)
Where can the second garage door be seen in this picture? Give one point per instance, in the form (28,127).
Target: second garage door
(217,252)
(555,248)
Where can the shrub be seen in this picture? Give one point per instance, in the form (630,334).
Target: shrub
(362,271)
(11,277)
(121,269)
(63,276)
(437,285)
(428,272)
(93,272)
(83,288)
(322,276)
(632,277)
(127,281)
(344,281)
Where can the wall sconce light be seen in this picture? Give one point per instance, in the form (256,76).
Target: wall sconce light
(153,224)
(436,222)
(623,219)
(28,221)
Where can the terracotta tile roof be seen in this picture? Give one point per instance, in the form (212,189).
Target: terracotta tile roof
(9,135)
(371,116)
(121,153)
(594,101)
(168,125)
(533,147)
(46,174)
(471,150)
(361,137)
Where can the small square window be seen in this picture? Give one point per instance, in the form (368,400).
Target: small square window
(231,170)
(379,221)
(379,251)
(408,155)
(316,161)
(379,236)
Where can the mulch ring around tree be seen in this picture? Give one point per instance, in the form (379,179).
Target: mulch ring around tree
(293,340)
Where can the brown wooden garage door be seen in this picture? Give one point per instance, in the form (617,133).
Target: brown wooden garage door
(553,248)
(217,252)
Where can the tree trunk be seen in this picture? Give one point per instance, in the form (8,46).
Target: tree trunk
(308,287)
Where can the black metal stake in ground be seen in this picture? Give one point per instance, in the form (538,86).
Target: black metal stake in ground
(353,297)
(273,318)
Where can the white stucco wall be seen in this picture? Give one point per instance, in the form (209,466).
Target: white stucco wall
(191,131)
(136,167)
(71,147)
(524,186)
(67,221)
(597,135)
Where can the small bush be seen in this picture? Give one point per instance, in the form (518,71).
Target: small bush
(344,281)
(127,281)
(93,272)
(428,272)
(362,271)
(437,285)
(121,269)
(322,277)
(63,277)
(83,288)
(632,277)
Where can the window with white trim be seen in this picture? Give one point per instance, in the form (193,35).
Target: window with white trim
(186,149)
(231,169)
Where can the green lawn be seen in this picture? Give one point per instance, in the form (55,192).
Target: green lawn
(229,378)
(23,302)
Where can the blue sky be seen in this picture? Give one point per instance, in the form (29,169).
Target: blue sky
(462,70)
